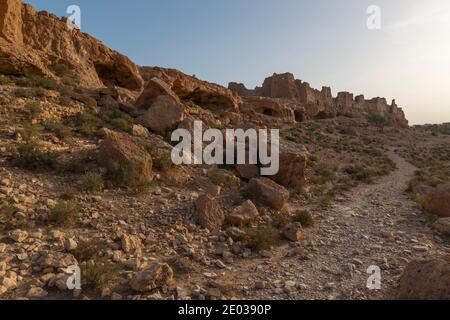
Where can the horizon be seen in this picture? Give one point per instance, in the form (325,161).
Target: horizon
(407,60)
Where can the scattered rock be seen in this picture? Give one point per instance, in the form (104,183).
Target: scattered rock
(208,213)
(268,193)
(293,231)
(156,276)
(246,213)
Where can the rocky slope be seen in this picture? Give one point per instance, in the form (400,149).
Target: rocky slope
(34,42)
(86,179)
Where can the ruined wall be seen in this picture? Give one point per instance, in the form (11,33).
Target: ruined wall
(310,103)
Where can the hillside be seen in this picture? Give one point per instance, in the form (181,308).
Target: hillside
(86,179)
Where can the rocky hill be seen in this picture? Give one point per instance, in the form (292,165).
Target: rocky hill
(86,179)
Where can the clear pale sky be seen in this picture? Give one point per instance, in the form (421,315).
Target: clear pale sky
(324,42)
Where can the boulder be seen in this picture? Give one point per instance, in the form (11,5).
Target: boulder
(292,170)
(293,231)
(245,214)
(208,213)
(268,193)
(154,89)
(130,243)
(438,201)
(165,114)
(18,235)
(119,151)
(139,131)
(52,259)
(247,171)
(156,276)
(426,280)
(442,226)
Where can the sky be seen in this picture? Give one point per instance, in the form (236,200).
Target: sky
(323,42)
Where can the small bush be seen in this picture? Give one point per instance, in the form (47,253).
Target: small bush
(88,123)
(92,182)
(61,70)
(279,220)
(224,179)
(305,218)
(360,173)
(99,274)
(4,80)
(34,109)
(163,162)
(89,250)
(120,124)
(7,212)
(30,131)
(261,238)
(59,130)
(69,194)
(379,119)
(29,93)
(65,100)
(325,173)
(63,214)
(30,156)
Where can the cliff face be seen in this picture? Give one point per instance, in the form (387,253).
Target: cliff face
(32,42)
(307,102)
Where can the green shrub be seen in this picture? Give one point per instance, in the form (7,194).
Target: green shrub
(89,250)
(34,109)
(122,124)
(59,130)
(69,193)
(88,123)
(30,156)
(325,173)
(261,238)
(92,182)
(379,119)
(279,220)
(63,214)
(99,274)
(64,100)
(163,162)
(30,131)
(29,93)
(360,173)
(224,179)
(305,218)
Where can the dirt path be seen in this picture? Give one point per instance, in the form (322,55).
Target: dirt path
(379,225)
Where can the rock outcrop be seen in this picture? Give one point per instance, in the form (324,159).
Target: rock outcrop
(426,280)
(122,157)
(34,43)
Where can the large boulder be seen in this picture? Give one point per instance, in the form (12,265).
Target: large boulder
(244,214)
(292,170)
(268,193)
(154,89)
(426,280)
(156,276)
(165,114)
(118,152)
(438,201)
(208,213)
